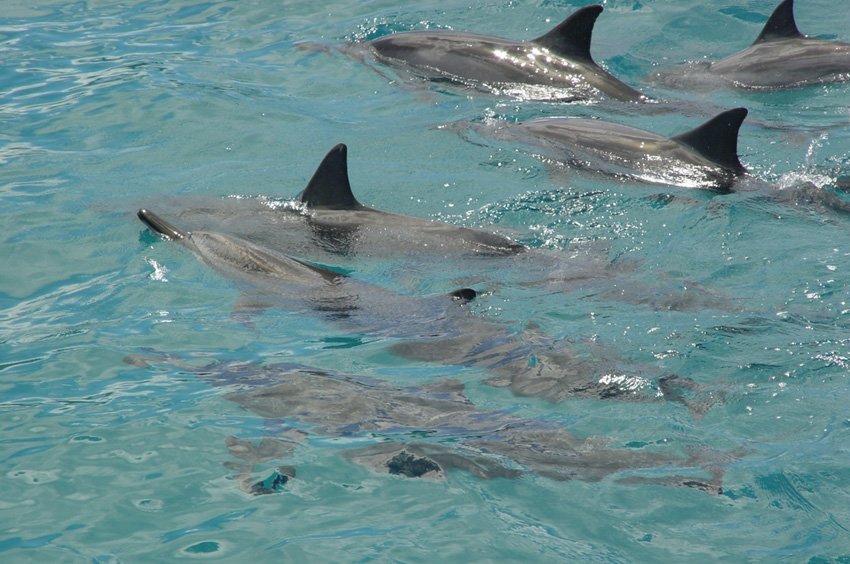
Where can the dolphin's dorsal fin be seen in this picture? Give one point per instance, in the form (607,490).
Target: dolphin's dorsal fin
(780,25)
(329,187)
(717,139)
(464,294)
(571,37)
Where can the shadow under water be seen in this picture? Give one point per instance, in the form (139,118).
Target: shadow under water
(417,431)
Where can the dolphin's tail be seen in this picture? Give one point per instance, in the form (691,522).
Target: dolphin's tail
(161,226)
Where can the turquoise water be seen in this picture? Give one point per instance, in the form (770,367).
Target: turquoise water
(106,106)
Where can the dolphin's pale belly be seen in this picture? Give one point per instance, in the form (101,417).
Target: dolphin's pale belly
(788,62)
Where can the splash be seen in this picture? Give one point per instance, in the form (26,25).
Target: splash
(159,271)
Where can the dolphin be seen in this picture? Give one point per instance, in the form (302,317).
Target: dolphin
(423,431)
(704,157)
(432,329)
(556,65)
(780,57)
(326,223)
(783,57)
(332,207)
(327,216)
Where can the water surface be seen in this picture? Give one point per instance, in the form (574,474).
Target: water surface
(107,106)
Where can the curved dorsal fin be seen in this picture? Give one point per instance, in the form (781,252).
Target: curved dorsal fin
(717,139)
(464,294)
(571,37)
(329,186)
(780,25)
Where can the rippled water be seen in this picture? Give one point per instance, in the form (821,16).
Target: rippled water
(108,106)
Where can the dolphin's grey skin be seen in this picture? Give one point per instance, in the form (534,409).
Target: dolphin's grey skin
(415,431)
(328,225)
(783,57)
(704,157)
(273,280)
(332,207)
(557,64)
(435,329)
(330,218)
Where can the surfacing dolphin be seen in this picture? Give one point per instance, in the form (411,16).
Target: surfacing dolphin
(704,157)
(332,207)
(329,218)
(413,431)
(556,65)
(780,57)
(434,329)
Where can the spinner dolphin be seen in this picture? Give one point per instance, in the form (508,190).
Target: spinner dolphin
(783,57)
(556,65)
(704,157)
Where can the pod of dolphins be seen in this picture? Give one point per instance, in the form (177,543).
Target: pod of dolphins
(276,260)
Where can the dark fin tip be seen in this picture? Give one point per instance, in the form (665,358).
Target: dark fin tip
(159,225)
(465,294)
(329,187)
(717,139)
(571,37)
(780,25)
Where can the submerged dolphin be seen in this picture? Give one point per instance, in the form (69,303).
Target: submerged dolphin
(330,218)
(436,329)
(705,157)
(557,64)
(413,431)
(780,57)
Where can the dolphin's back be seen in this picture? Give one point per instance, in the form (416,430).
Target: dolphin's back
(491,62)
(782,57)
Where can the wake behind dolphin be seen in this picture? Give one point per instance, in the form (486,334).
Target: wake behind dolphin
(556,65)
